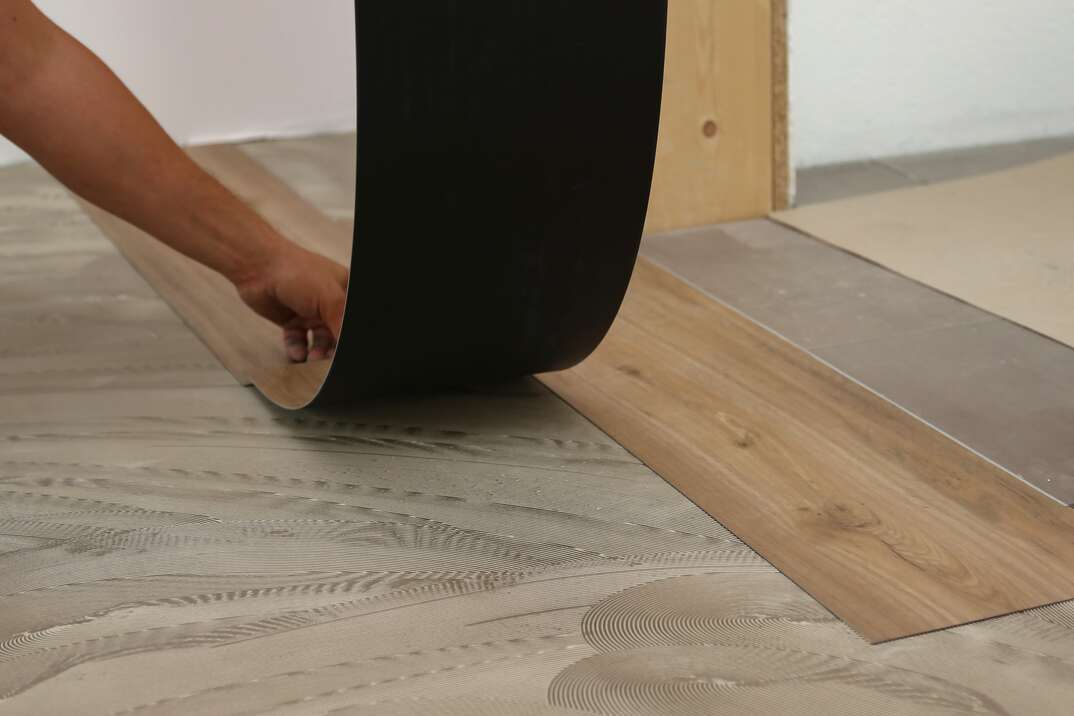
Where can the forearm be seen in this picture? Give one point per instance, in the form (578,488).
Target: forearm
(65,108)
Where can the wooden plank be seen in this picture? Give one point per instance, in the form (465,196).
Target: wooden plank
(714,158)
(999,241)
(890,524)
(292,385)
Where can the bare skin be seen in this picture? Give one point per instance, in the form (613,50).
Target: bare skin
(67,110)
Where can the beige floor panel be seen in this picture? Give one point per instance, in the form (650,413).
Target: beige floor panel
(999,241)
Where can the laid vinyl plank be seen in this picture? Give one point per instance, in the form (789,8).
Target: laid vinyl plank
(893,526)
(995,386)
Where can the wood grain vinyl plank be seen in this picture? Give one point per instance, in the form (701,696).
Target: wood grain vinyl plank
(206,301)
(278,203)
(248,345)
(322,169)
(890,524)
(995,386)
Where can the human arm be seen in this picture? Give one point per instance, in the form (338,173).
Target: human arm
(64,107)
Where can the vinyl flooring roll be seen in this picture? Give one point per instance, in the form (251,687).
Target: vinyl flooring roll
(505,153)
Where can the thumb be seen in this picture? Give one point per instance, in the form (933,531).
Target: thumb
(332,304)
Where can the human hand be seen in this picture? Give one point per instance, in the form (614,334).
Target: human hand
(302,292)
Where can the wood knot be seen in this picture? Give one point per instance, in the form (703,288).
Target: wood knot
(847,516)
(740,435)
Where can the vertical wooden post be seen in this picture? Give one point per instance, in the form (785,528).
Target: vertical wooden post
(722,148)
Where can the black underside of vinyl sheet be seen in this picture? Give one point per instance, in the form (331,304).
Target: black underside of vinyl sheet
(505,154)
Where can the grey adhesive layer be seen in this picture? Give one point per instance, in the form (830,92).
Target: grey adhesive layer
(170,550)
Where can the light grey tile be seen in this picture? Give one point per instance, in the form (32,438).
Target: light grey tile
(811,293)
(845,180)
(838,181)
(997,387)
(960,163)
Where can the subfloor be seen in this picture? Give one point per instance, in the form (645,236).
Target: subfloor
(170,543)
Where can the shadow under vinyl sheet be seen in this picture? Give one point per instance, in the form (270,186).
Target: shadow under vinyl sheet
(892,525)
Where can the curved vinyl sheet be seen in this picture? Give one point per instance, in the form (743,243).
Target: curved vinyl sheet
(505,153)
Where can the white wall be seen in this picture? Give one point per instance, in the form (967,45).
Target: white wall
(215,70)
(870,79)
(867,79)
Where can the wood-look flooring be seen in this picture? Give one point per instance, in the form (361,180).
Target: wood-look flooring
(171,543)
(890,524)
(249,346)
(994,386)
